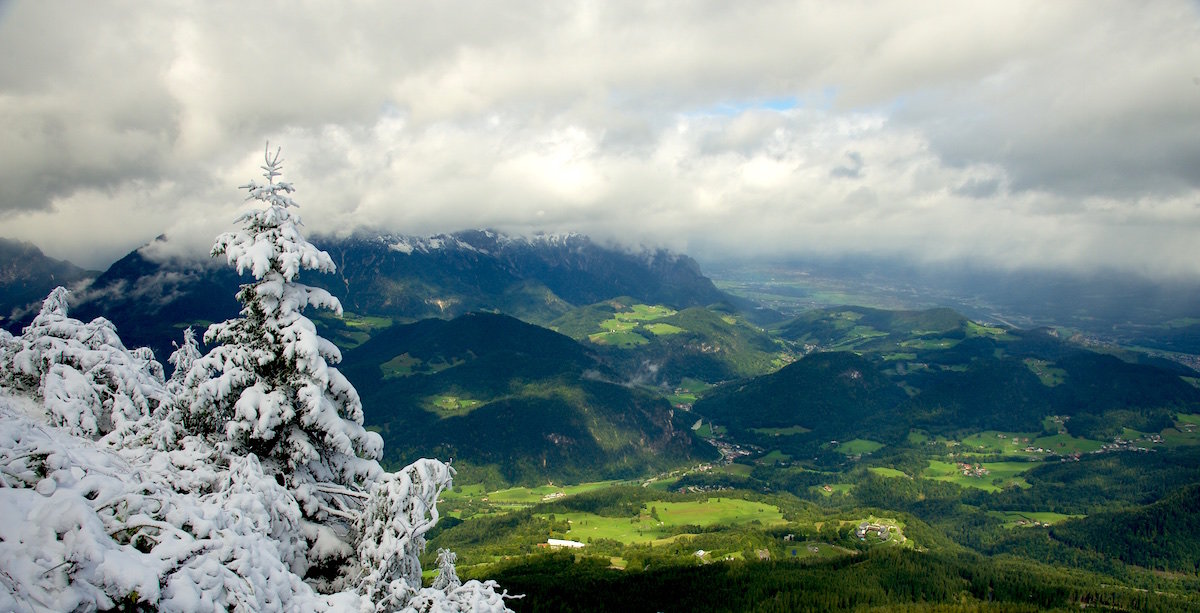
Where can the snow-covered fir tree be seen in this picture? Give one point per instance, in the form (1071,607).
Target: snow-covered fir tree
(447,577)
(182,359)
(223,489)
(268,386)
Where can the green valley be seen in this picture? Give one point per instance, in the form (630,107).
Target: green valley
(982,451)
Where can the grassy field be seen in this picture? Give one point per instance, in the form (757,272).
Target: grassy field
(976,330)
(448,406)
(1185,432)
(840,488)
(929,343)
(1065,444)
(1023,519)
(618,339)
(816,550)
(858,446)
(358,329)
(663,329)
(992,442)
(620,329)
(999,474)
(1047,374)
(884,471)
(774,456)
(646,529)
(646,312)
(742,470)
(858,335)
(521,496)
(688,391)
(707,430)
(405,365)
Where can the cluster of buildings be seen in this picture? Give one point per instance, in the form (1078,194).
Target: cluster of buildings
(972,470)
(882,531)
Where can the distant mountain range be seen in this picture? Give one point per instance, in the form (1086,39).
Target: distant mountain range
(403,278)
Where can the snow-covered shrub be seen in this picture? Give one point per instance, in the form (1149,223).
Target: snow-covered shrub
(90,526)
(90,383)
(447,577)
(401,509)
(182,359)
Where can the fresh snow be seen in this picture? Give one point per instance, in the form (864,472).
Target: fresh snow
(246,483)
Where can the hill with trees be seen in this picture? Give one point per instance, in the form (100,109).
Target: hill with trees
(532,404)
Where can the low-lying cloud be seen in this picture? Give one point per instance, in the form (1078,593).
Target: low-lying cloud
(1018,134)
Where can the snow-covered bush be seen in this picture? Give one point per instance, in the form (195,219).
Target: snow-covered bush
(401,509)
(90,383)
(89,526)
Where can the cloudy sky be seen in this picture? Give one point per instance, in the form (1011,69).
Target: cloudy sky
(1022,134)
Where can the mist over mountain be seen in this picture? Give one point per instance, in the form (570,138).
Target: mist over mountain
(1118,305)
(152,296)
(538,278)
(27,275)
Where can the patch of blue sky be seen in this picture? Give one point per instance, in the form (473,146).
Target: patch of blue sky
(822,100)
(741,106)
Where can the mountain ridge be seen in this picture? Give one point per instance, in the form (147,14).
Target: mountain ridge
(150,297)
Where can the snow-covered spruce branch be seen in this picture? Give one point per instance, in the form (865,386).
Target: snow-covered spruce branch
(340,491)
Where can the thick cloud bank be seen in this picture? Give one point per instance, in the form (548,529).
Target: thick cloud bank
(1019,134)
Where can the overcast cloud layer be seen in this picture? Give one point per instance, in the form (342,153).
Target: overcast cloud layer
(1024,134)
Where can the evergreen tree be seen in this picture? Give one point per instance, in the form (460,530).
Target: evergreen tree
(182,359)
(447,577)
(268,386)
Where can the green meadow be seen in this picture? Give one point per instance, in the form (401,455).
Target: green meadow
(858,446)
(671,516)
(405,365)
(447,406)
(1047,374)
(999,474)
(1022,519)
(621,329)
